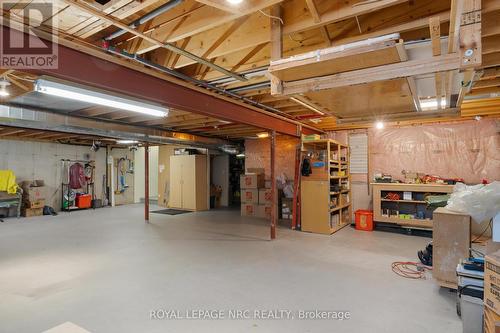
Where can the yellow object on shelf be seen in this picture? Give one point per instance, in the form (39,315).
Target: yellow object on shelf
(8,182)
(311,137)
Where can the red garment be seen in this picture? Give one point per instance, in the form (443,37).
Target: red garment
(76,176)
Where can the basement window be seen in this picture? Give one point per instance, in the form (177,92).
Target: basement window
(358,144)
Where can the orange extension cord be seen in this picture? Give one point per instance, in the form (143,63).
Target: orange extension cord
(410,270)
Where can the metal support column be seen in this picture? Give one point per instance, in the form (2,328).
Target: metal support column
(274,191)
(146,183)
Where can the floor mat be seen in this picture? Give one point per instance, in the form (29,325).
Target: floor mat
(171,211)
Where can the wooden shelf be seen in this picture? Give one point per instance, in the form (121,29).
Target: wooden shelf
(316,193)
(406,222)
(341,192)
(339,207)
(407,201)
(378,200)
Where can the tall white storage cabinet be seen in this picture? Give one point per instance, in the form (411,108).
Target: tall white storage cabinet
(188,182)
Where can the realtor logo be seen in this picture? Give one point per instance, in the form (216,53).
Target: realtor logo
(21,45)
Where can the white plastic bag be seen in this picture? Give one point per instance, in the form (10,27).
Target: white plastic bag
(481,202)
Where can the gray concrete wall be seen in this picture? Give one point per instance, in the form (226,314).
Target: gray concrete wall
(41,160)
(127,196)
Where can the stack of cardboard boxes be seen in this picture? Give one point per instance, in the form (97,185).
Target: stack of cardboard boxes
(492,293)
(34,194)
(255,197)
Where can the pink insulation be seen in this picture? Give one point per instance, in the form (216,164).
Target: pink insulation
(468,150)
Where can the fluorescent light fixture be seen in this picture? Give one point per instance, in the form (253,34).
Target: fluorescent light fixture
(126,142)
(234,2)
(240,155)
(262,135)
(304,104)
(89,95)
(431,103)
(379,125)
(3,87)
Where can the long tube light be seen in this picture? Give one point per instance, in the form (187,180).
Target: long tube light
(87,95)
(306,105)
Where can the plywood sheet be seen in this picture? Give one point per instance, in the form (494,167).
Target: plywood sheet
(372,99)
(336,59)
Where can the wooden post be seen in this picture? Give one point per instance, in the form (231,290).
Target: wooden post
(273,185)
(276,44)
(146,183)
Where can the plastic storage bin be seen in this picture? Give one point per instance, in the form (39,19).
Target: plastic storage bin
(364,220)
(84,201)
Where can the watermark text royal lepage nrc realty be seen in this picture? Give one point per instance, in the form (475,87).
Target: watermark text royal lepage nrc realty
(239,314)
(21,42)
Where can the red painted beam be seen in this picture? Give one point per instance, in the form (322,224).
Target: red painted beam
(85,69)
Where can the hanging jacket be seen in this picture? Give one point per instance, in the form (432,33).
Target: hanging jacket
(76,176)
(306,167)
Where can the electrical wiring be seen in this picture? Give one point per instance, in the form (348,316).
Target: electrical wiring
(489,226)
(273,17)
(410,269)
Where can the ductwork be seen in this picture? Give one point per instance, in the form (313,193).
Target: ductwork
(158,11)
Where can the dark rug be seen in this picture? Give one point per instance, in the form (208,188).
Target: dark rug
(171,211)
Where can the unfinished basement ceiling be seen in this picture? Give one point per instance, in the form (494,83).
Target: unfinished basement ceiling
(238,40)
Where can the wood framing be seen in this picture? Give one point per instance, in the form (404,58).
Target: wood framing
(435,32)
(470,48)
(379,73)
(335,59)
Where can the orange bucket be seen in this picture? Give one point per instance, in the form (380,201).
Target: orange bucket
(364,220)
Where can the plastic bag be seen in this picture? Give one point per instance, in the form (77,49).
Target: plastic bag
(481,202)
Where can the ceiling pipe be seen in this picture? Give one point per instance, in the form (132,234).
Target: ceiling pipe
(188,78)
(255,86)
(151,15)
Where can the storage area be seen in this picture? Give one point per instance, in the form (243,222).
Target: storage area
(188,182)
(250,166)
(325,191)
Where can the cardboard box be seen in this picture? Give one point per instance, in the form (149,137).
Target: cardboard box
(250,196)
(251,180)
(259,171)
(34,204)
(265,197)
(264,211)
(248,209)
(286,208)
(492,281)
(29,212)
(35,193)
(491,321)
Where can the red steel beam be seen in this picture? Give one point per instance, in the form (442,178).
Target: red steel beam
(85,69)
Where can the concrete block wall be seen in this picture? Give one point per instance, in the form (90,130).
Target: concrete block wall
(41,160)
(126,197)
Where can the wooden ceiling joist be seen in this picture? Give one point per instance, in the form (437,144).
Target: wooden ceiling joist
(405,69)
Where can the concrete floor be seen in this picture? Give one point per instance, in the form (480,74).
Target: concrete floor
(105,270)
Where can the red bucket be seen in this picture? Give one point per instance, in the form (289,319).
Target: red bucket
(364,220)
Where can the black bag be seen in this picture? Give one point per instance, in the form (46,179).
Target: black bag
(306,167)
(47,210)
